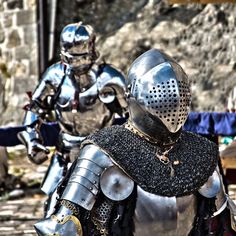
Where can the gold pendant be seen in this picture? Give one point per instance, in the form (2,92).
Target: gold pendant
(176,162)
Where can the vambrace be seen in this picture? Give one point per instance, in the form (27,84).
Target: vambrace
(54,174)
(64,222)
(32,139)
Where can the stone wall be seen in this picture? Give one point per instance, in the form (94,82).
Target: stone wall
(201,37)
(18,57)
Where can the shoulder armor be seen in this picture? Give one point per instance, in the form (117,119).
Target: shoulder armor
(47,87)
(83,184)
(110,77)
(111,85)
(214,188)
(115,184)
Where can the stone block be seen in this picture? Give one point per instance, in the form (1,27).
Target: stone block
(2,36)
(30,34)
(25,17)
(14,39)
(7,20)
(14,4)
(1,7)
(22,52)
(33,67)
(30,4)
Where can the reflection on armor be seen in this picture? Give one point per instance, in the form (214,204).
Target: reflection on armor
(83,184)
(64,223)
(156,215)
(212,187)
(79,94)
(149,175)
(159,95)
(54,174)
(115,184)
(78,47)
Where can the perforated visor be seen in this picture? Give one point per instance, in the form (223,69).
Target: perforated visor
(164,92)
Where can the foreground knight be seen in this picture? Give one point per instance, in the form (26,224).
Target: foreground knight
(77,93)
(148,176)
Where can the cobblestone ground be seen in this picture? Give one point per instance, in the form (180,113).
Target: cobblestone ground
(21,208)
(18,216)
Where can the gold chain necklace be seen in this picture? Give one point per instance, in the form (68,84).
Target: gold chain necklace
(162,156)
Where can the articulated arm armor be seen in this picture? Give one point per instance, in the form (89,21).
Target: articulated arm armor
(39,109)
(95,185)
(32,139)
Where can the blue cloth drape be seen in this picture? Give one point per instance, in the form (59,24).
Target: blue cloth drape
(203,123)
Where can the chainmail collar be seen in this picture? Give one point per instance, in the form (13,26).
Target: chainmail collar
(191,160)
(148,138)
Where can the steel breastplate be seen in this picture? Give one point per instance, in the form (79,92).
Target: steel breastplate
(81,113)
(167,216)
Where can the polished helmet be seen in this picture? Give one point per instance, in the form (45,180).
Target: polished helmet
(158,94)
(77,43)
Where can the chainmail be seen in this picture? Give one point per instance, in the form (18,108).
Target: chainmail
(71,206)
(197,159)
(101,217)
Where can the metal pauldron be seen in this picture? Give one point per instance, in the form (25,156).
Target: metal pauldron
(111,85)
(214,188)
(42,98)
(83,184)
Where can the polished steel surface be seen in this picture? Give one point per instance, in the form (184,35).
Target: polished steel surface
(51,203)
(111,85)
(54,175)
(30,118)
(57,225)
(78,46)
(84,181)
(115,184)
(212,187)
(81,113)
(161,89)
(36,151)
(167,216)
(68,141)
(79,108)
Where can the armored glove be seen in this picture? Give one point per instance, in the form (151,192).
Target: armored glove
(61,223)
(36,152)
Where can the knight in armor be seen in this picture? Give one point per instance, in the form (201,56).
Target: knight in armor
(78,93)
(148,176)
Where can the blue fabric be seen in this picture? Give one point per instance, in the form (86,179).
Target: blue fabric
(203,123)
(212,123)
(8,135)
